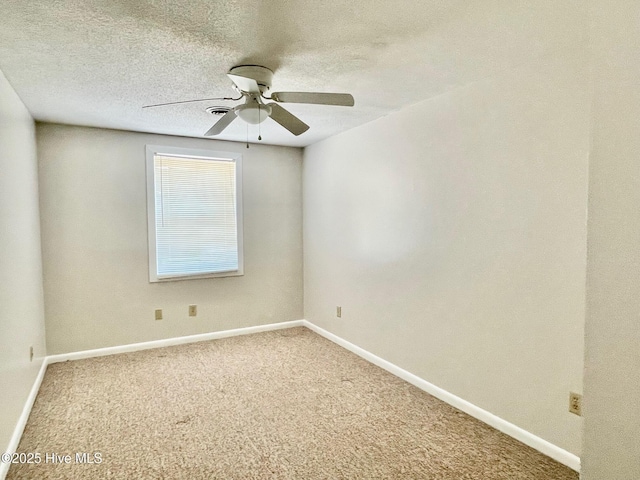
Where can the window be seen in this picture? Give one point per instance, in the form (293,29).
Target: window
(194,212)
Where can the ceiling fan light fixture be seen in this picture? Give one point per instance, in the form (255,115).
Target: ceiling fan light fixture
(253,113)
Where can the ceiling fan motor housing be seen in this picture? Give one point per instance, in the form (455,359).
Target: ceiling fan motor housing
(262,75)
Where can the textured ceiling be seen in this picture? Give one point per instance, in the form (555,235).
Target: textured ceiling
(97,62)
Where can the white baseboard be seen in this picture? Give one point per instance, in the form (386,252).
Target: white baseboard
(22,420)
(566,458)
(168,342)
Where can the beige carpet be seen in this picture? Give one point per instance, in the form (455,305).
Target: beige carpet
(285,404)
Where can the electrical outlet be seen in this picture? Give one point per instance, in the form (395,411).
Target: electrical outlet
(339,312)
(159,314)
(575,403)
(193,310)
(31,354)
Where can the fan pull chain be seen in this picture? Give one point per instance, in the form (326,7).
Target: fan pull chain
(259,135)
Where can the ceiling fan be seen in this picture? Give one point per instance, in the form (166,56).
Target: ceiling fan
(252,82)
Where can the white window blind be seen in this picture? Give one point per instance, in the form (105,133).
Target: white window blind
(195,217)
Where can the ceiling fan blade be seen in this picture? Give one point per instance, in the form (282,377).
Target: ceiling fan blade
(190,101)
(287,119)
(343,99)
(244,83)
(221,124)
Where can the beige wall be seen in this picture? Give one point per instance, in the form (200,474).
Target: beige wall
(612,362)
(453,235)
(94,234)
(21,299)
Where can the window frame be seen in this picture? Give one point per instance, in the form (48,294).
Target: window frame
(171,151)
